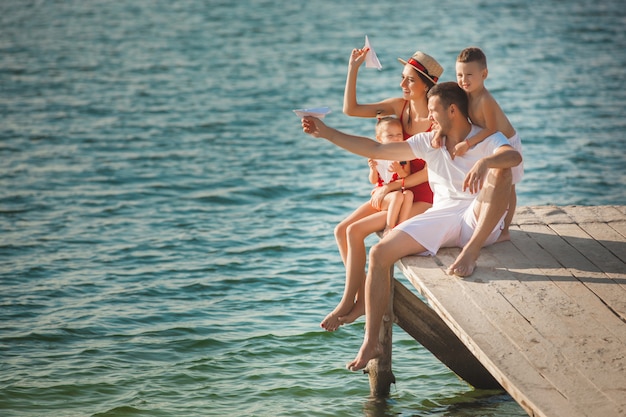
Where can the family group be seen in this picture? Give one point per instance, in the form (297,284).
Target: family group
(444,163)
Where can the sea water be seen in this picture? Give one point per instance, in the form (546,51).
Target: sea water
(166,229)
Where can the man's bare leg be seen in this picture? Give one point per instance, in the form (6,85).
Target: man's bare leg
(383,256)
(508,219)
(493,201)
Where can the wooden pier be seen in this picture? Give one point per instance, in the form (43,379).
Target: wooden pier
(543,316)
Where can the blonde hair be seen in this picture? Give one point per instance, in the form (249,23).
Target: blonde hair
(385,121)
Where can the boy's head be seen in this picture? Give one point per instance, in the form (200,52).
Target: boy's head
(473,54)
(389,129)
(471,69)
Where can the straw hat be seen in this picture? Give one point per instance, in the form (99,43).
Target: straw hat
(425,64)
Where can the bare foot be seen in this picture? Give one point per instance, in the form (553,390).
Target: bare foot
(461,271)
(464,265)
(366,353)
(504,236)
(357,311)
(332,321)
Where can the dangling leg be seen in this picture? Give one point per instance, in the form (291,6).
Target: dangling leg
(383,255)
(356,234)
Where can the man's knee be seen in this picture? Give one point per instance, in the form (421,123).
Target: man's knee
(501,176)
(382,255)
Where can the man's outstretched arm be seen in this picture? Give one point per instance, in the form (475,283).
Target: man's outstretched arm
(359,145)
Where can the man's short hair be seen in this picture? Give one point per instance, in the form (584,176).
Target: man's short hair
(450,93)
(473,54)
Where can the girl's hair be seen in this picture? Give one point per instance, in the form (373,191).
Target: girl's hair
(385,120)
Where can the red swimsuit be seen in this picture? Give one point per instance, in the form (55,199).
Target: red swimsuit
(421,192)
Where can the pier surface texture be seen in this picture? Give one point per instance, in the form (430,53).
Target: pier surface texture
(544,313)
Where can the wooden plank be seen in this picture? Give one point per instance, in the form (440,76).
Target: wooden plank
(606,235)
(595,214)
(465,312)
(424,325)
(620,227)
(540,351)
(544,313)
(551,269)
(609,290)
(557,316)
(580,237)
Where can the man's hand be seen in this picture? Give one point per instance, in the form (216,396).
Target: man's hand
(312,126)
(476,177)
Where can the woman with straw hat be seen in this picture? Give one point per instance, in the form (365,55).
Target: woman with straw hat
(419,74)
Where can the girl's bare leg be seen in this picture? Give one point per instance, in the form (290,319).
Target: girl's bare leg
(341,230)
(355,269)
(419,207)
(405,210)
(393,201)
(358,310)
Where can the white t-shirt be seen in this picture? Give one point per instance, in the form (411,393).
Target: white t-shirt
(446,175)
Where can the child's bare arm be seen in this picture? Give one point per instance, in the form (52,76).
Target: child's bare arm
(465,145)
(412,180)
(403,170)
(373,175)
(486,117)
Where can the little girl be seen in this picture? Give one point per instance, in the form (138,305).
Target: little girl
(396,203)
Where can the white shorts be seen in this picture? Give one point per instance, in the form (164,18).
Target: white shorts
(518,171)
(449,226)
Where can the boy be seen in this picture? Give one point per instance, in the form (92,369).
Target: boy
(484,111)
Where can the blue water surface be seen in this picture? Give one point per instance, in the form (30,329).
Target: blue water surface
(166,229)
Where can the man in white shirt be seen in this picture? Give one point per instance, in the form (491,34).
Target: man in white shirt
(470,199)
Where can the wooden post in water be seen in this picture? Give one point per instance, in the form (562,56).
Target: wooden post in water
(424,325)
(379,370)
